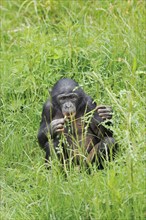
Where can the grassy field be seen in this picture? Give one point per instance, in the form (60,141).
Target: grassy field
(100,44)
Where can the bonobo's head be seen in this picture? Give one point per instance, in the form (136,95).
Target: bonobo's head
(67,95)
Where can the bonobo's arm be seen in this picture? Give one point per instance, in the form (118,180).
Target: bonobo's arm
(105,147)
(48,125)
(45,128)
(104,112)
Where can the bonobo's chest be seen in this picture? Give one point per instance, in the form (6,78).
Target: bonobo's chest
(79,134)
(75,127)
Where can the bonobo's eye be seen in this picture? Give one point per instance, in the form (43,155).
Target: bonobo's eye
(73,97)
(61,98)
(70,97)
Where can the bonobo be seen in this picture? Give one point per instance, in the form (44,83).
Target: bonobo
(72,124)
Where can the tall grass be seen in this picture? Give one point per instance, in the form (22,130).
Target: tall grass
(100,44)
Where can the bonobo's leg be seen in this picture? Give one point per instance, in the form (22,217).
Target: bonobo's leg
(47,150)
(104,150)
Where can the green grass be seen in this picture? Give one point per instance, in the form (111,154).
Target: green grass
(101,45)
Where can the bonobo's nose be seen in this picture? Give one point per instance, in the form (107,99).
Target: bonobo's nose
(68,105)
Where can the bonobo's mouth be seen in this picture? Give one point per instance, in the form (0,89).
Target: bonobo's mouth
(69,115)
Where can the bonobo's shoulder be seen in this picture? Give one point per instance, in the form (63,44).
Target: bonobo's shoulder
(91,104)
(47,105)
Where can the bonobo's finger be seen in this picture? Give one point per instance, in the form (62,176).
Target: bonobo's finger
(108,108)
(59,126)
(56,124)
(100,107)
(57,121)
(106,115)
(59,130)
(104,108)
(105,112)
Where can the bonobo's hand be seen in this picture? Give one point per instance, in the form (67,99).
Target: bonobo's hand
(105,112)
(57,126)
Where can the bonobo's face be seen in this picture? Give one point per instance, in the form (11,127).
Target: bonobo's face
(67,95)
(68,103)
